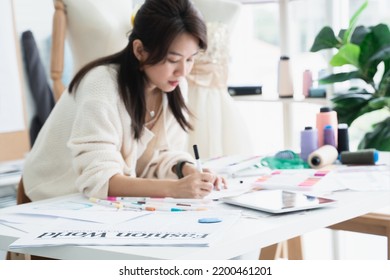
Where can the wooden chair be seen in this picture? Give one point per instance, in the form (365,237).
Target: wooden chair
(21,196)
(290,249)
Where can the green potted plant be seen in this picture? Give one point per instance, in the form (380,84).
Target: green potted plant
(367,50)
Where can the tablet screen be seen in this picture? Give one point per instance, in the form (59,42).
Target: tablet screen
(278,201)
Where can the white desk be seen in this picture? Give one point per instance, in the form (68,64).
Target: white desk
(247,235)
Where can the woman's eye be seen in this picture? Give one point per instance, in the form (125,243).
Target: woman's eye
(172,61)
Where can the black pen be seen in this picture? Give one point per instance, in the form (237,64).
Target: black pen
(198,163)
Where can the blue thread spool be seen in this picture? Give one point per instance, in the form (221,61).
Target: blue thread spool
(329,136)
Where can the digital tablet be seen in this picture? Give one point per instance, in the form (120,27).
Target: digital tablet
(278,201)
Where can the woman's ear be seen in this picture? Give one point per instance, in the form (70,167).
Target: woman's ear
(138,49)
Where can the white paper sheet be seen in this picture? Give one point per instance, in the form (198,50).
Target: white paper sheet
(72,208)
(364,178)
(154,229)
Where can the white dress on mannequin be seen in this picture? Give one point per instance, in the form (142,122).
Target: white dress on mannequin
(97,28)
(92,28)
(219,128)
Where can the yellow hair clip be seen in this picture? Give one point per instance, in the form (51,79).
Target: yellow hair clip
(134,13)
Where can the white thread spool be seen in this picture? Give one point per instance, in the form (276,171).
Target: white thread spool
(323,156)
(285,81)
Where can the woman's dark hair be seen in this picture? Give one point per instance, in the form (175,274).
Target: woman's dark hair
(156,24)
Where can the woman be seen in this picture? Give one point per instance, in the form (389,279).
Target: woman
(119,127)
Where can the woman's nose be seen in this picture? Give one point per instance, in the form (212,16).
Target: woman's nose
(181,69)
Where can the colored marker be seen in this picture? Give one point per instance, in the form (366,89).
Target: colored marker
(173,205)
(138,207)
(169,209)
(179,200)
(198,163)
(162,199)
(106,202)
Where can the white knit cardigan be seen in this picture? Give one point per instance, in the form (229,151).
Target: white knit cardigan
(87,139)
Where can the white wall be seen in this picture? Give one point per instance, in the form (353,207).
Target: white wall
(35,16)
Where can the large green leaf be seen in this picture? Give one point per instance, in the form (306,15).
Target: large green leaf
(379,138)
(382,34)
(339,77)
(380,55)
(384,85)
(352,23)
(359,34)
(369,107)
(379,103)
(325,39)
(347,54)
(373,50)
(354,94)
(350,106)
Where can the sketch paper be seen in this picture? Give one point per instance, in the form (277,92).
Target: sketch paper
(231,164)
(73,208)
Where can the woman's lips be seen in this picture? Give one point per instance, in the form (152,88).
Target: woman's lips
(173,83)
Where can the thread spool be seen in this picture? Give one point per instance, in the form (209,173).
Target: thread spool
(343,138)
(366,157)
(309,142)
(329,138)
(285,82)
(325,117)
(323,156)
(307,82)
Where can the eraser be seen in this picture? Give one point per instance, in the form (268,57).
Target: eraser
(209,220)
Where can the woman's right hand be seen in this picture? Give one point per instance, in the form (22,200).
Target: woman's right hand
(195,185)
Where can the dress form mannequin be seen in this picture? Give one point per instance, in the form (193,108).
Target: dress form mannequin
(93,28)
(218,126)
(225,11)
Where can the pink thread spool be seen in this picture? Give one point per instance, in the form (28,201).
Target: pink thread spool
(307,82)
(325,117)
